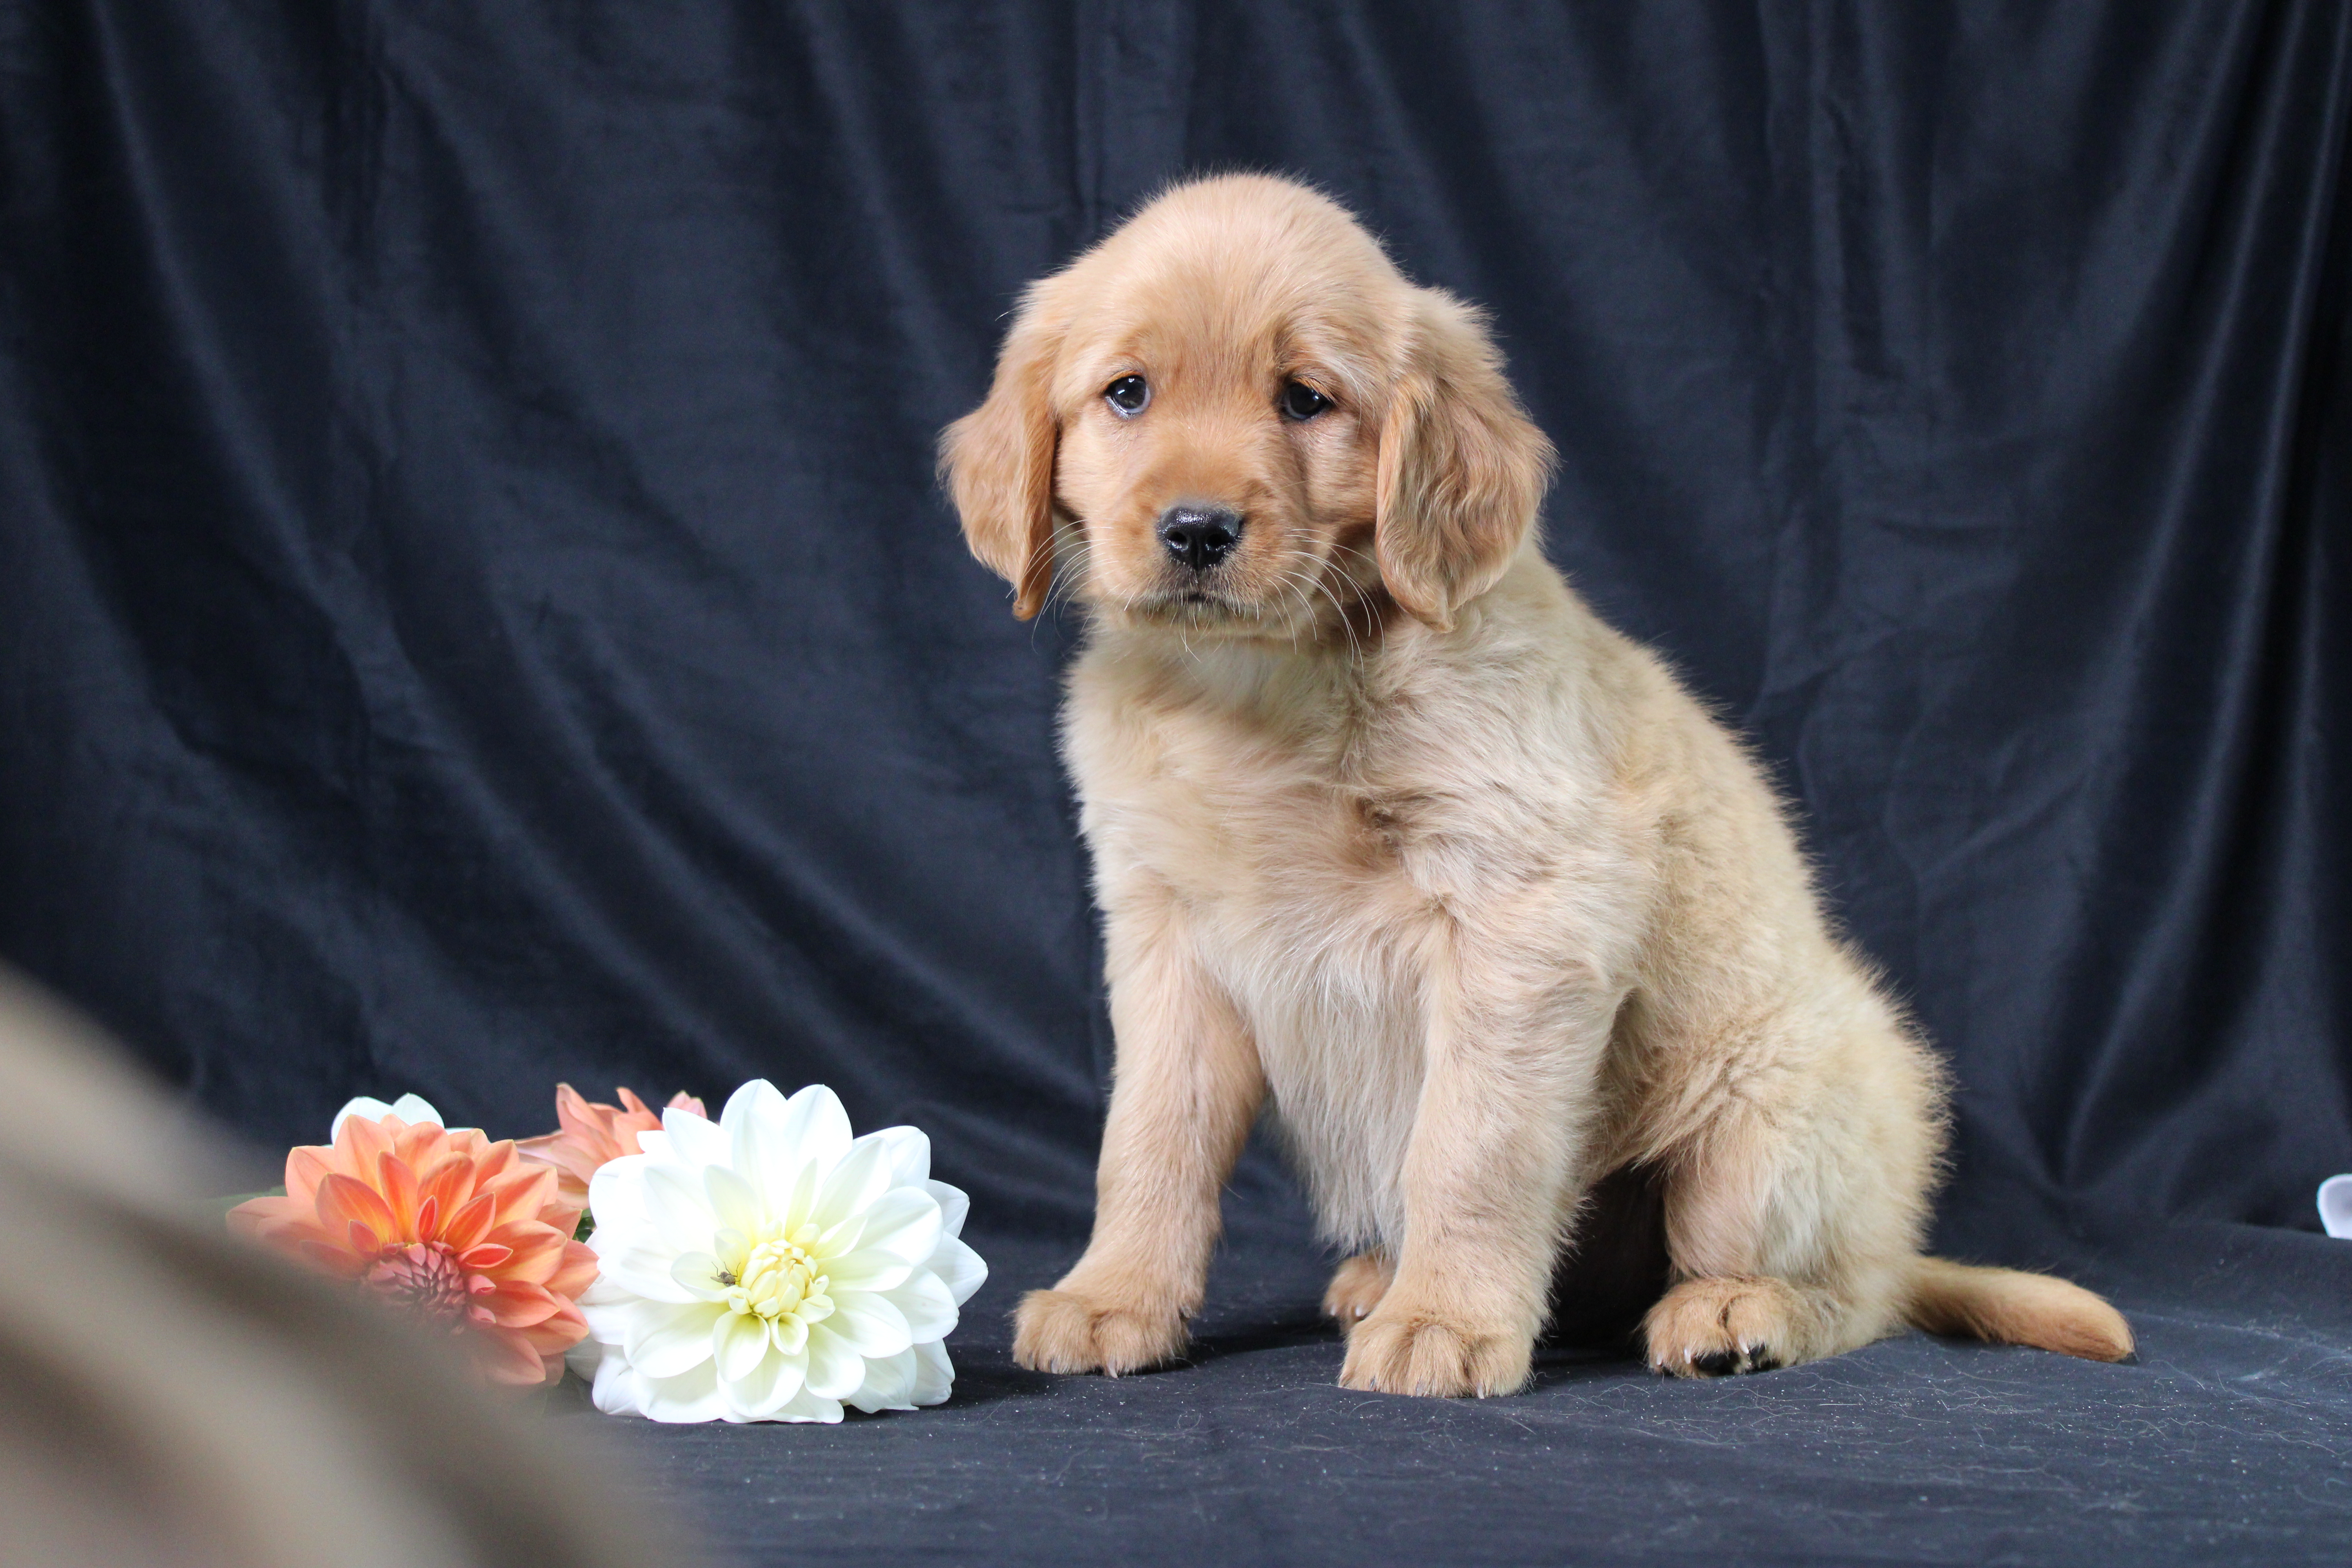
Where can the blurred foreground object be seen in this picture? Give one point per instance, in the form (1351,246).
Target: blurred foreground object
(171,1394)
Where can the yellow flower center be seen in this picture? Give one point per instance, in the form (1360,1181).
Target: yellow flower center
(778,1277)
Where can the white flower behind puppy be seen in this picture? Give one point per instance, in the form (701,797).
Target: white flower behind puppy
(769,1266)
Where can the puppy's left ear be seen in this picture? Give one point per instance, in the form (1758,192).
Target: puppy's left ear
(998,463)
(1462,467)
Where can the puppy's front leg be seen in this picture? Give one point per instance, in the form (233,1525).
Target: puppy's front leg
(1509,1072)
(1186,1086)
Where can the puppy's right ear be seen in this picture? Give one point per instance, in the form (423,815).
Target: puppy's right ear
(998,463)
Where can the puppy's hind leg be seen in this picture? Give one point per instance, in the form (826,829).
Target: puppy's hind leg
(1793,1229)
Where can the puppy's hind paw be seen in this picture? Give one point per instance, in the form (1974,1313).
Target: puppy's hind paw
(1721,1328)
(1356,1288)
(1064,1331)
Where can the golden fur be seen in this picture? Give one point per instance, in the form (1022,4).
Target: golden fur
(1388,826)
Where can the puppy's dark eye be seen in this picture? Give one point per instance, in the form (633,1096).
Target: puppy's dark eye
(1127,395)
(1302,401)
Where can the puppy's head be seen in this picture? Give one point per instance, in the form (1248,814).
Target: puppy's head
(1234,416)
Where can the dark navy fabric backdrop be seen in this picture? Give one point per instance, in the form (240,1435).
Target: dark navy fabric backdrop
(476,609)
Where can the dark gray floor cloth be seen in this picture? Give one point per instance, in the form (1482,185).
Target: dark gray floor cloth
(2229,1441)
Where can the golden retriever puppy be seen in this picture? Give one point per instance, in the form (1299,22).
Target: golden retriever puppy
(1388,826)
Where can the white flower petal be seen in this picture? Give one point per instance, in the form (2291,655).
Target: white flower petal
(769,1385)
(605,1291)
(934,1374)
(675,1204)
(582,1359)
(693,1140)
(924,1303)
(616,1193)
(863,1176)
(790,1338)
(844,1238)
(614,1390)
(834,1368)
(670,1343)
(631,1321)
(911,1155)
(656,1145)
(904,1222)
(870,1323)
(867,1268)
(888,1382)
(412,1109)
(755,1122)
(691,1396)
(814,1130)
(733,1200)
(698,1273)
(799,1194)
(953,1206)
(645,1274)
(738,1344)
(808,1405)
(960,1269)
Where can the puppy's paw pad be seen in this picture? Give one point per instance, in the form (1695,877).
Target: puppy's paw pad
(1064,1331)
(1356,1288)
(1403,1352)
(1722,1328)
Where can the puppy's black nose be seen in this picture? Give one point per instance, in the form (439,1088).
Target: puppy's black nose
(1200,536)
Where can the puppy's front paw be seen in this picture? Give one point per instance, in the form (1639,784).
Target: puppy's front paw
(1068,1330)
(1408,1352)
(1357,1287)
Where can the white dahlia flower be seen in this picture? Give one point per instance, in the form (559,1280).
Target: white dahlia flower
(768,1267)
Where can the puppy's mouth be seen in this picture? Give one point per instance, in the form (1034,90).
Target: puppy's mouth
(1192,606)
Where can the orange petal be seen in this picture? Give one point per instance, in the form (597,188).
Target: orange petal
(560,1332)
(575,1273)
(523,1191)
(336,1261)
(252,1215)
(517,1305)
(397,1182)
(449,1180)
(506,1356)
(341,1198)
(538,1252)
(472,1222)
(360,1143)
(304,1168)
(488,1255)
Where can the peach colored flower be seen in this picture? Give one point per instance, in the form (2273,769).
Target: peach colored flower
(458,1233)
(594,1132)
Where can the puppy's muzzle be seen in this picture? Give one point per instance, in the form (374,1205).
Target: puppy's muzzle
(1198,537)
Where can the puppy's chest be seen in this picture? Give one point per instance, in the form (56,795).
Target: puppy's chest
(1306,838)
(1293,873)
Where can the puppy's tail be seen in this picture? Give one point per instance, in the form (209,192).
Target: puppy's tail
(2012,1308)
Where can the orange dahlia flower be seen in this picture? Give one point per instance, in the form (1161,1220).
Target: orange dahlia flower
(593,1133)
(460,1234)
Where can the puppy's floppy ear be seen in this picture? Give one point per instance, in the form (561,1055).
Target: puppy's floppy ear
(1462,468)
(998,463)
